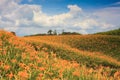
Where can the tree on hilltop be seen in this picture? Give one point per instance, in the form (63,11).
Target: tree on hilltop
(50,32)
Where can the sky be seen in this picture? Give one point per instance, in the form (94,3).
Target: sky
(26,17)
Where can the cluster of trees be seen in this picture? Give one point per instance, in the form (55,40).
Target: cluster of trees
(70,33)
(54,32)
(51,32)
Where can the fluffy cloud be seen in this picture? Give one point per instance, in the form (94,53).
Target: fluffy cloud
(75,19)
(27,19)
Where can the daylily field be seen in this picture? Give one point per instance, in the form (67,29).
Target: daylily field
(70,57)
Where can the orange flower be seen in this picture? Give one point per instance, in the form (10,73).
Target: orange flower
(39,61)
(1,63)
(41,68)
(22,65)
(6,67)
(40,75)
(13,60)
(90,70)
(23,74)
(117,74)
(76,65)
(4,52)
(10,75)
(27,68)
(76,73)
(61,73)
(31,65)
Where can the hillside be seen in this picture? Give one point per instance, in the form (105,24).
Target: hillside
(34,58)
(108,45)
(111,32)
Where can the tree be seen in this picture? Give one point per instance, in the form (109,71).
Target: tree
(63,31)
(13,33)
(50,32)
(55,32)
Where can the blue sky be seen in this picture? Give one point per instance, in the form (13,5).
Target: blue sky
(59,6)
(27,17)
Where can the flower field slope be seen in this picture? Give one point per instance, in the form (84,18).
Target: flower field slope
(108,45)
(69,53)
(25,59)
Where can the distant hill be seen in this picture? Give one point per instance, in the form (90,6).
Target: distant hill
(36,35)
(111,32)
(53,34)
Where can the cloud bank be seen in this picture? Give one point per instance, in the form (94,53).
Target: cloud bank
(27,19)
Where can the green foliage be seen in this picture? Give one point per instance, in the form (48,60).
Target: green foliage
(70,33)
(50,32)
(112,32)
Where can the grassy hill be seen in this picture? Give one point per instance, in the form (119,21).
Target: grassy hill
(111,32)
(91,50)
(45,58)
(108,45)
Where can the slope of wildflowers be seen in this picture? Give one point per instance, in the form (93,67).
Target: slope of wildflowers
(108,45)
(69,53)
(21,60)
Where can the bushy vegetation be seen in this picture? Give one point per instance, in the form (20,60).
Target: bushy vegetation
(111,32)
(70,33)
(25,59)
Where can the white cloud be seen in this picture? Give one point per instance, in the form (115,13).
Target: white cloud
(28,19)
(74,9)
(109,15)
(87,23)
